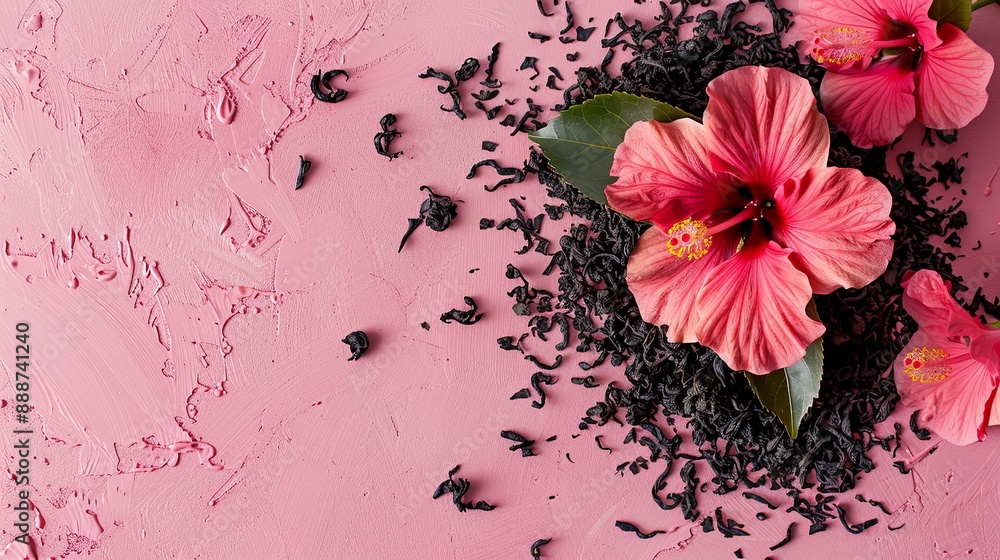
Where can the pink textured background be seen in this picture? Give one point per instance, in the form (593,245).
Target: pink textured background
(179,290)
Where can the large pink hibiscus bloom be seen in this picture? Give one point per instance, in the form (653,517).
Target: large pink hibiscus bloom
(748,221)
(889,63)
(950,369)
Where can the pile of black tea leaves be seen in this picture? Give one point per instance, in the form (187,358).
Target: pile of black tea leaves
(741,445)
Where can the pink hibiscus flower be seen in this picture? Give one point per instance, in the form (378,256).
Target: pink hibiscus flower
(748,222)
(889,63)
(950,368)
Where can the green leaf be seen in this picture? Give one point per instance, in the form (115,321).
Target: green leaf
(955,12)
(789,392)
(580,143)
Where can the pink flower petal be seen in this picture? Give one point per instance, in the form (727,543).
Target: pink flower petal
(753,310)
(665,286)
(952,80)
(927,298)
(837,223)
(915,13)
(764,127)
(958,407)
(664,174)
(819,18)
(873,106)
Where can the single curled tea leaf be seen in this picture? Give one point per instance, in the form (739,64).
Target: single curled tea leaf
(358,342)
(955,12)
(580,143)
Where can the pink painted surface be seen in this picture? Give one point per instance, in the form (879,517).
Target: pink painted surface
(193,398)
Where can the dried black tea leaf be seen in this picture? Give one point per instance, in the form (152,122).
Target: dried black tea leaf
(358,342)
(466,317)
(384,139)
(630,528)
(304,166)
(458,488)
(322,89)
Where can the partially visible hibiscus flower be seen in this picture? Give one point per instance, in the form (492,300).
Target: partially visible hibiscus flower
(748,222)
(950,368)
(889,63)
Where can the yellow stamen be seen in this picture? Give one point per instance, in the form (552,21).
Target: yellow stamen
(926,365)
(841,45)
(689,239)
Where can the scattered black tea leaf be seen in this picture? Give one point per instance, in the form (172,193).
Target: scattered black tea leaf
(601,445)
(541,37)
(536,547)
(541,8)
(537,380)
(569,18)
(458,488)
(467,70)
(708,525)
(331,94)
(491,61)
(540,364)
(587,382)
(521,443)
(508,343)
(411,226)
(522,394)
(731,528)
(630,528)
(489,146)
(304,166)
(550,439)
(384,139)
(529,62)
(856,529)
(875,503)
(572,56)
(436,212)
(583,33)
(358,342)
(486,95)
(486,223)
(513,174)
(425,326)
(922,434)
(456,105)
(466,317)
(760,499)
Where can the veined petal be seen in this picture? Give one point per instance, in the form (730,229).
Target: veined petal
(873,106)
(837,223)
(851,24)
(753,310)
(958,406)
(764,127)
(952,80)
(914,13)
(665,286)
(927,298)
(664,174)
